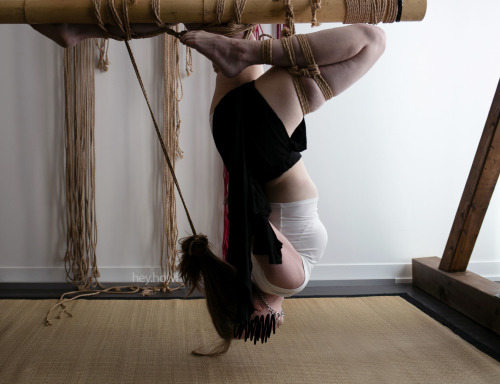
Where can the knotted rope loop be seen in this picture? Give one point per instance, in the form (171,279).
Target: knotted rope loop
(289,28)
(315,7)
(320,81)
(311,71)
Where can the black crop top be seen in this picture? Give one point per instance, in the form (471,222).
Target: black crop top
(255,148)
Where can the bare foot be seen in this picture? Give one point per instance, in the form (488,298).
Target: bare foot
(230,56)
(261,308)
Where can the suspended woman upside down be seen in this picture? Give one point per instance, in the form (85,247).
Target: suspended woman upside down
(257,120)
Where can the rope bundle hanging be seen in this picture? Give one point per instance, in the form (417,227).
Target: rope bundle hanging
(171,127)
(80,258)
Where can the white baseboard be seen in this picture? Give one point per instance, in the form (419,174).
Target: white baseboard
(399,273)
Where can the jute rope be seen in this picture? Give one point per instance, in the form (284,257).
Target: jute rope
(82,232)
(266,51)
(124,25)
(372,11)
(289,28)
(64,299)
(171,127)
(315,7)
(82,269)
(287,44)
(103,47)
(312,69)
(80,258)
(78,264)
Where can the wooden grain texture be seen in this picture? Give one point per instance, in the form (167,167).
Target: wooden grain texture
(183,11)
(468,293)
(477,194)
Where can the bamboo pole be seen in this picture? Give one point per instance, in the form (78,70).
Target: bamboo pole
(182,11)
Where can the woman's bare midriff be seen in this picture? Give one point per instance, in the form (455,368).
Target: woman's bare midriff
(293,185)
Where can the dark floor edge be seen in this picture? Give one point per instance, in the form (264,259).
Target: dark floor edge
(440,319)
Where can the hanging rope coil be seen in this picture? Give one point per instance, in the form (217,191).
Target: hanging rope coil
(172,94)
(80,260)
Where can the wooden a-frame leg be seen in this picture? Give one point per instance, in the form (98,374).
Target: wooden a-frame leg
(477,194)
(447,279)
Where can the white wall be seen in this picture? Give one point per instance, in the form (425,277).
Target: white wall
(390,156)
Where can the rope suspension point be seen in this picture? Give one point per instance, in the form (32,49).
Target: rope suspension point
(363,11)
(373,11)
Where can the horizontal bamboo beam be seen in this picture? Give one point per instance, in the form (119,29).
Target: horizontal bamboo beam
(183,11)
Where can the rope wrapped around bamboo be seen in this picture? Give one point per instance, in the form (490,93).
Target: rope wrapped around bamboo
(204,11)
(373,11)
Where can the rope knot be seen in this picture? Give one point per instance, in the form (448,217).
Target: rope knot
(311,71)
(315,7)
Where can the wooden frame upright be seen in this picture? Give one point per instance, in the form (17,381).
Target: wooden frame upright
(447,278)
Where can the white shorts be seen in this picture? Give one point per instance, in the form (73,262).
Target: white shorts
(299,222)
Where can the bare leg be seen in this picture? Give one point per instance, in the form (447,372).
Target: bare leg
(289,275)
(328,47)
(275,302)
(343,54)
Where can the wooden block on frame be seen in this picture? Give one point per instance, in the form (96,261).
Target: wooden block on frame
(471,294)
